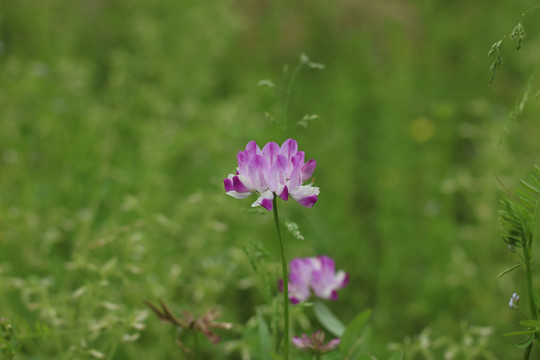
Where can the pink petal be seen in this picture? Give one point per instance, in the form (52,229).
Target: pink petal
(295,181)
(327,264)
(331,345)
(243,159)
(270,152)
(283,164)
(257,168)
(299,342)
(272,178)
(307,169)
(284,194)
(228,184)
(267,204)
(265,200)
(289,148)
(308,201)
(253,149)
(239,186)
(300,155)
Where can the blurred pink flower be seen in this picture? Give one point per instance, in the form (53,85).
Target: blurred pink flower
(272,171)
(315,343)
(317,274)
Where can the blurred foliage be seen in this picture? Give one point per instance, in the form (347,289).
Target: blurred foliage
(119,120)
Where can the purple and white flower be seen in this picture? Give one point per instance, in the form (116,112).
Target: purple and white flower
(315,343)
(317,275)
(272,171)
(514,302)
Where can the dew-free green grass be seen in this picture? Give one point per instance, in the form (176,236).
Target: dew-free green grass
(120,120)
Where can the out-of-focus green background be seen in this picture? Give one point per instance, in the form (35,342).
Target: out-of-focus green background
(119,120)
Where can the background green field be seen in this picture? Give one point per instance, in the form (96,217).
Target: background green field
(119,120)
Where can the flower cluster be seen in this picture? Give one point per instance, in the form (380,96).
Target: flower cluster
(315,274)
(315,343)
(514,302)
(272,171)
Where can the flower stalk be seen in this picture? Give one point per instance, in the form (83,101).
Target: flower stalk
(285,284)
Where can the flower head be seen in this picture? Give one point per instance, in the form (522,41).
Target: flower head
(317,274)
(514,302)
(315,343)
(272,171)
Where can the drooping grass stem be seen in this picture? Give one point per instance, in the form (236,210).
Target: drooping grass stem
(285,284)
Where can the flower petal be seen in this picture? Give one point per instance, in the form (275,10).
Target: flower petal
(242,184)
(289,148)
(228,184)
(295,181)
(284,195)
(272,177)
(299,280)
(238,195)
(305,195)
(324,281)
(308,201)
(257,169)
(270,152)
(253,149)
(307,169)
(243,159)
(301,343)
(331,345)
(265,200)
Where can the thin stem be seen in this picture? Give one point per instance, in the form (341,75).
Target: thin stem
(196,345)
(527,248)
(285,283)
(288,90)
(528,352)
(531,9)
(534,312)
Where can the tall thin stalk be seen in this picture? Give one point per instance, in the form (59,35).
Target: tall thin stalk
(527,249)
(285,284)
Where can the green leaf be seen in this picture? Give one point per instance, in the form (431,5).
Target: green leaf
(354,331)
(524,332)
(509,270)
(536,298)
(524,344)
(396,356)
(264,337)
(275,356)
(364,357)
(530,187)
(531,323)
(328,319)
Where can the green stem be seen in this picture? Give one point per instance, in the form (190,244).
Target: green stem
(285,283)
(527,248)
(534,312)
(528,352)
(196,345)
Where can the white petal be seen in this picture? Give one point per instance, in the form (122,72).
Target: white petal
(237,195)
(303,191)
